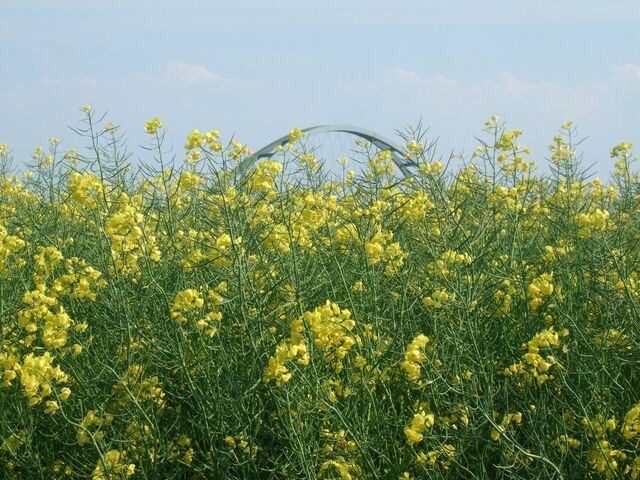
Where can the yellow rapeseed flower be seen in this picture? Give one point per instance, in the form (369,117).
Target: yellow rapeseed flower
(153,125)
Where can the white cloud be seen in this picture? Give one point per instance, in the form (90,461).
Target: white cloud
(189,73)
(506,90)
(403,76)
(628,71)
(411,78)
(512,85)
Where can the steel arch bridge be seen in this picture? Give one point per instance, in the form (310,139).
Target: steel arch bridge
(398,154)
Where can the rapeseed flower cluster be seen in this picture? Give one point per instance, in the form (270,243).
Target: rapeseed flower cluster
(624,158)
(438,298)
(331,327)
(264,178)
(533,366)
(414,357)
(81,280)
(337,441)
(38,378)
(565,442)
(346,470)
(613,338)
(562,152)
(287,350)
(508,419)
(631,424)
(604,459)
(10,248)
(504,298)
(380,250)
(242,443)
(134,386)
(442,457)
(180,449)
(199,306)
(420,422)
(591,222)
(131,239)
(380,166)
(206,247)
(92,428)
(114,463)
(153,125)
(86,192)
(540,289)
(414,207)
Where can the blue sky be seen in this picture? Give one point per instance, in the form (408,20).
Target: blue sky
(255,69)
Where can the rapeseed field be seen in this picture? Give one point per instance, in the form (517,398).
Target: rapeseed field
(195,318)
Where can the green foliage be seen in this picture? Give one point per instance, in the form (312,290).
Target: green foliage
(205,321)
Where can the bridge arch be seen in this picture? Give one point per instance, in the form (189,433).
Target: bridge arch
(398,154)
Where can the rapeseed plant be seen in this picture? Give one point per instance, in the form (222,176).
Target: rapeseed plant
(171,319)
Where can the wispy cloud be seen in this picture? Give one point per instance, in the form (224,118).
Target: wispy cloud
(189,73)
(411,78)
(507,88)
(70,82)
(628,71)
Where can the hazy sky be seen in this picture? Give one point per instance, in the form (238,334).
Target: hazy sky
(255,69)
